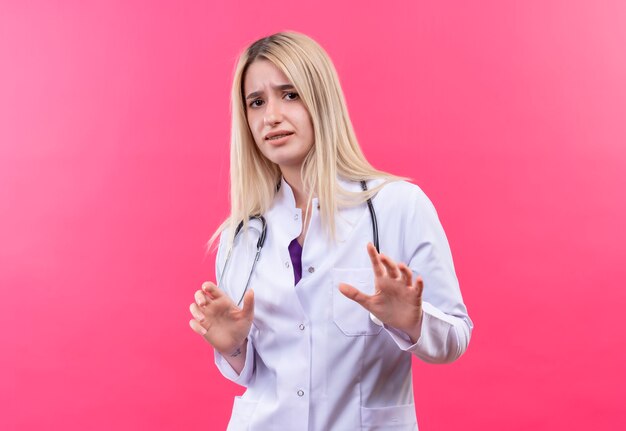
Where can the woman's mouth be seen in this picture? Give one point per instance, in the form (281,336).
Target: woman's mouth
(279,139)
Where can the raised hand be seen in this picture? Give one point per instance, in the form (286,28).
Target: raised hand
(216,317)
(397,300)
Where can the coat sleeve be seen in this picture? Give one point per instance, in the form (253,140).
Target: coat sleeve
(247,373)
(446,327)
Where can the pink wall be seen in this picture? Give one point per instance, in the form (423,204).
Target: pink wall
(114,127)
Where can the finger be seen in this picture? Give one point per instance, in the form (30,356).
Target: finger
(212,290)
(248,304)
(197,327)
(390,266)
(355,294)
(201,298)
(419,286)
(379,269)
(196,313)
(407,275)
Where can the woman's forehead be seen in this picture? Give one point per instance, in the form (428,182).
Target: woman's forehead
(263,73)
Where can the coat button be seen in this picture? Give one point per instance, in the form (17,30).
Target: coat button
(300,392)
(301,326)
(286,264)
(311,270)
(296,217)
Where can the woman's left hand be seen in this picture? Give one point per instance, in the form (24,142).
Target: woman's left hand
(397,300)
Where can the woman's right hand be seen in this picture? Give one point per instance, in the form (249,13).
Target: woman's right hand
(220,322)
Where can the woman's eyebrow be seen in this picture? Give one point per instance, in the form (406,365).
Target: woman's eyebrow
(275,87)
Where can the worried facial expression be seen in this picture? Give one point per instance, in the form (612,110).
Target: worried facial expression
(277,117)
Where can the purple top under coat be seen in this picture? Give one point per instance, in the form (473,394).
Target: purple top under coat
(295,252)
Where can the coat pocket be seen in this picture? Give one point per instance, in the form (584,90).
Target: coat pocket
(400,417)
(352,319)
(242,414)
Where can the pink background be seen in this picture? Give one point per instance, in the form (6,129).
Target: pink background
(114,128)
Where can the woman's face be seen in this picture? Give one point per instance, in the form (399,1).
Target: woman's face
(273,107)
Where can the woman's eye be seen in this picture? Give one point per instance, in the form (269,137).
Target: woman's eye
(258,102)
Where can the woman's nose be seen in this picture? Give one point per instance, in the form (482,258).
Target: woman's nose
(273,113)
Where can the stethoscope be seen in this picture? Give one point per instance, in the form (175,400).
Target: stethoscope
(263,235)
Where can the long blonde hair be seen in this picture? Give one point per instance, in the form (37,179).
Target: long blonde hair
(253,177)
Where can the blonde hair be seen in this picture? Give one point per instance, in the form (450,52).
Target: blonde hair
(254,178)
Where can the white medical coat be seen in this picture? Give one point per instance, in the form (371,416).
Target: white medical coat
(315,360)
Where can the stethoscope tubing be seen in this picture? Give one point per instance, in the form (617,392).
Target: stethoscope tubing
(263,235)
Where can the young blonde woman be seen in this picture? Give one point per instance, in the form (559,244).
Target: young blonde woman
(320,327)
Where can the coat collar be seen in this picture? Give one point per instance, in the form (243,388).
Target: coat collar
(284,210)
(285,196)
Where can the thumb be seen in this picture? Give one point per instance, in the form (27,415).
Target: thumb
(354,294)
(248,304)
